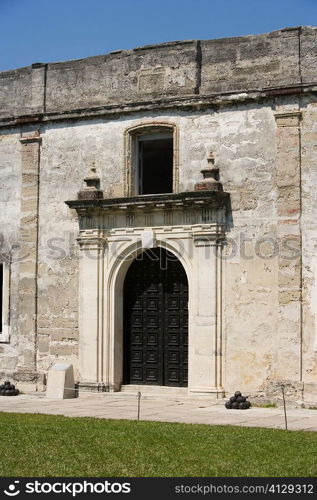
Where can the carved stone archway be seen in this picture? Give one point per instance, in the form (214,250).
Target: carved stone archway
(190,225)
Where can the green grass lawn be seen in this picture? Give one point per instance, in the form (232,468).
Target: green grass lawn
(45,445)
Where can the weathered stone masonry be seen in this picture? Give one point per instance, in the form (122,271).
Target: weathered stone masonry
(28,257)
(249,100)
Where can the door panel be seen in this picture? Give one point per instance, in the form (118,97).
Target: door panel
(156,321)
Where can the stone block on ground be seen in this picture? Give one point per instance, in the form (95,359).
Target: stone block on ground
(60,381)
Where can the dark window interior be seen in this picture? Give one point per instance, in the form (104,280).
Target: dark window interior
(156,166)
(1,296)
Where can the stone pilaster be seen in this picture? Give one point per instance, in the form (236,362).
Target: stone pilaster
(288,174)
(91,313)
(30,164)
(206,347)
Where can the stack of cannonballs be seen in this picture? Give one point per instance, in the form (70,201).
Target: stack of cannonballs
(8,389)
(238,402)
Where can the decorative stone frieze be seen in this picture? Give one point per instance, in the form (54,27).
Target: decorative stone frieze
(153,210)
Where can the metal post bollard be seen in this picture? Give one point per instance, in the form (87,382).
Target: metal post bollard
(283,387)
(139,403)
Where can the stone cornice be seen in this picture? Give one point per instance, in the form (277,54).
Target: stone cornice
(200,102)
(153,201)
(31,138)
(161,210)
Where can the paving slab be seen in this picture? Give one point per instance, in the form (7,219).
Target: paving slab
(186,410)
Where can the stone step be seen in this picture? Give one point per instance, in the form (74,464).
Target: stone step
(152,389)
(159,394)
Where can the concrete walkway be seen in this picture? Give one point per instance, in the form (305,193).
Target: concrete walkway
(165,409)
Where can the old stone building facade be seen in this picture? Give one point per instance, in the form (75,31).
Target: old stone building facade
(120,256)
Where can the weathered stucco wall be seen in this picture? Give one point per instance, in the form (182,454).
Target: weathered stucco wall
(264,146)
(242,139)
(309,245)
(10,204)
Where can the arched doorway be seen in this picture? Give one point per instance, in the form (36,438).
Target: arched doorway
(155,350)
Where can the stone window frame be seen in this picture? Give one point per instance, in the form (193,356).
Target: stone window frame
(5,333)
(130,136)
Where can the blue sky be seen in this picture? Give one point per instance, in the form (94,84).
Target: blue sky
(57,30)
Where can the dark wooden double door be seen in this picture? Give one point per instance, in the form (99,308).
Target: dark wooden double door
(156,321)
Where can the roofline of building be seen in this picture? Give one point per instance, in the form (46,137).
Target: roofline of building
(171,43)
(190,74)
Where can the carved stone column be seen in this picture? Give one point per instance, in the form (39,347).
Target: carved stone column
(91,289)
(206,341)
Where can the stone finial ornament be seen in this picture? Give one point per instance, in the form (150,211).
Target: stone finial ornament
(211,177)
(92,190)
